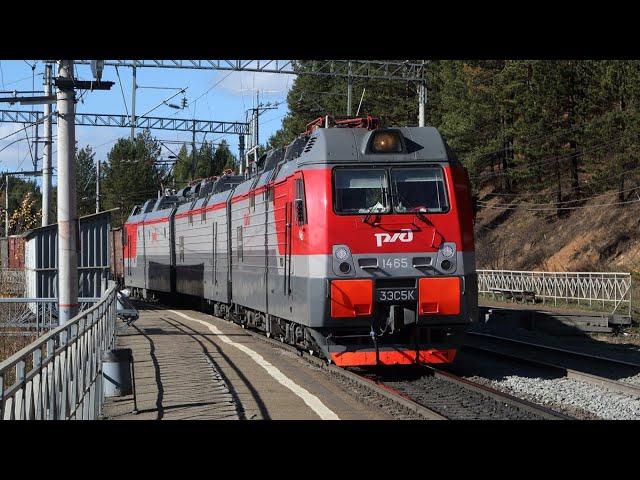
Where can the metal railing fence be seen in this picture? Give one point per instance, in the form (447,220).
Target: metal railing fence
(32,316)
(59,375)
(611,289)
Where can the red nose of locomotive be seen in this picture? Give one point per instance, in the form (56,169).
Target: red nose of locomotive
(402,260)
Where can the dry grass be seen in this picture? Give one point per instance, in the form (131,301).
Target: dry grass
(590,239)
(11,285)
(10,345)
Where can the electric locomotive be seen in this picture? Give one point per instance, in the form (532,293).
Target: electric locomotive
(353,242)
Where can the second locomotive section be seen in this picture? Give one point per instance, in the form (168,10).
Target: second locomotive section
(354,243)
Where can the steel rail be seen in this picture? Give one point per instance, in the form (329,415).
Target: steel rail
(499,395)
(572,353)
(571,373)
(380,389)
(607,383)
(394,395)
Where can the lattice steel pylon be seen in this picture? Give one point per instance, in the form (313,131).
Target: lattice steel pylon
(406,70)
(155,123)
(391,70)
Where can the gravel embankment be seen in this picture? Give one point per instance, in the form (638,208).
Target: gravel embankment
(635,379)
(538,385)
(573,396)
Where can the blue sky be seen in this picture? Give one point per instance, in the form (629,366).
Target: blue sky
(228,101)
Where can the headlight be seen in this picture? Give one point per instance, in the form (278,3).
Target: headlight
(342,253)
(386,142)
(447,251)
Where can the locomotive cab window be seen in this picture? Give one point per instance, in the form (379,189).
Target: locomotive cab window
(358,191)
(418,190)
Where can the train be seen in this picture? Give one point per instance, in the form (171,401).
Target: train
(354,243)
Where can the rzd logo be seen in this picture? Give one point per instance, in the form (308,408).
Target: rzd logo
(404,236)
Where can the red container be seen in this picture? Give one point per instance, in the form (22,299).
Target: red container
(16,252)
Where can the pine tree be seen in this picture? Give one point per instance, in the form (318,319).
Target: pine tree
(557,129)
(619,89)
(85,181)
(205,161)
(183,167)
(311,97)
(223,159)
(130,176)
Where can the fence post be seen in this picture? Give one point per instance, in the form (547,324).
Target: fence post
(37,384)
(19,397)
(1,397)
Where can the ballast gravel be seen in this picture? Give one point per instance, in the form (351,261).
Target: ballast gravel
(634,380)
(575,395)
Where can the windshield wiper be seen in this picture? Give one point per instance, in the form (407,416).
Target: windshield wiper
(417,213)
(384,206)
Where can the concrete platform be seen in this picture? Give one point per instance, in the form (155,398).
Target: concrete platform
(190,365)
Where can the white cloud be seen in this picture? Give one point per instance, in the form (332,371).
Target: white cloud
(246,83)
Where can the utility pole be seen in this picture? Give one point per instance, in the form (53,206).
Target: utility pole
(67,214)
(241,150)
(255,118)
(257,114)
(98,185)
(134,87)
(35,126)
(254,134)
(422,100)
(6,206)
(349,91)
(35,147)
(46,156)
(193,148)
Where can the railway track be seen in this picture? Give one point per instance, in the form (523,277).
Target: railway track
(457,398)
(370,391)
(592,369)
(429,393)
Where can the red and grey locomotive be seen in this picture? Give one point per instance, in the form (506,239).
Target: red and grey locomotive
(354,242)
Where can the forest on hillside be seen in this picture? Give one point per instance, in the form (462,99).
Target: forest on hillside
(549,136)
(132,172)
(540,134)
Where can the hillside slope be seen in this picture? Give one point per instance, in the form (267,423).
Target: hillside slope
(593,238)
